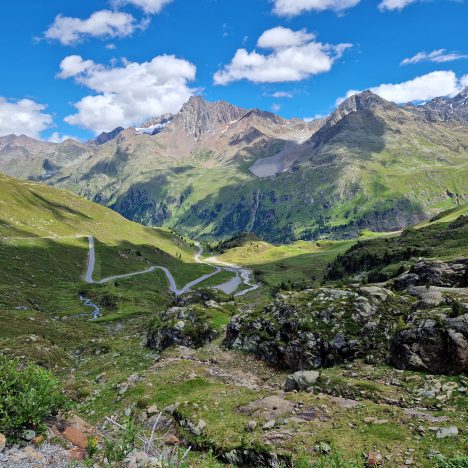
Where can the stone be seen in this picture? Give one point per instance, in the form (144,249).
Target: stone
(28,435)
(440,348)
(251,426)
(76,454)
(201,425)
(269,425)
(152,410)
(322,447)
(38,440)
(75,436)
(2,442)
(33,455)
(374,458)
(445,432)
(137,460)
(171,439)
(301,380)
(171,408)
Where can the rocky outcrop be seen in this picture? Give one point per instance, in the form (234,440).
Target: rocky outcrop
(437,346)
(435,273)
(318,328)
(180,326)
(301,380)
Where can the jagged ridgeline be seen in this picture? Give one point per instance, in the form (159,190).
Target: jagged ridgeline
(214,169)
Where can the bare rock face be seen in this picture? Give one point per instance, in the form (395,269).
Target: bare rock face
(440,348)
(104,137)
(444,109)
(317,328)
(179,326)
(435,273)
(198,116)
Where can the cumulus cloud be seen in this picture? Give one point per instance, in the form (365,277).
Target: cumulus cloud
(57,137)
(394,4)
(292,56)
(148,6)
(23,117)
(128,94)
(296,7)
(421,88)
(437,56)
(104,24)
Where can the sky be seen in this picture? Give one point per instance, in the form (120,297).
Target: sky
(77,68)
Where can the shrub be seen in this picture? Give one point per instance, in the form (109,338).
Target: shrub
(28,395)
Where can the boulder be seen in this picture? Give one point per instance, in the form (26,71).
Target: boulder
(2,442)
(180,326)
(439,347)
(445,432)
(435,273)
(301,380)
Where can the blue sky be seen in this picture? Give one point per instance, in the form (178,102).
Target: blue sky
(121,61)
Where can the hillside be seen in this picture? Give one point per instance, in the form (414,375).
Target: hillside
(218,370)
(215,170)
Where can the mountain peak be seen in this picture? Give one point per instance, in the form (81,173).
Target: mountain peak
(199,116)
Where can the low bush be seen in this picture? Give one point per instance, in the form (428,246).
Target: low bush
(29,394)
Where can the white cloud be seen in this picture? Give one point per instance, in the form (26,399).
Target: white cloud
(296,7)
(57,137)
(279,37)
(315,117)
(128,94)
(294,56)
(23,117)
(73,65)
(103,24)
(421,88)
(148,6)
(394,4)
(437,56)
(276,107)
(282,94)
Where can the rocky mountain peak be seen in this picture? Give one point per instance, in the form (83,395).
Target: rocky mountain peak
(199,116)
(104,137)
(445,109)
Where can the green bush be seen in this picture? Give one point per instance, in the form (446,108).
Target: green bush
(28,395)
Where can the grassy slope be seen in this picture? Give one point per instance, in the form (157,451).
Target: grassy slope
(47,272)
(444,237)
(299,262)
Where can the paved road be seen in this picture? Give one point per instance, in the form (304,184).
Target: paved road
(242,275)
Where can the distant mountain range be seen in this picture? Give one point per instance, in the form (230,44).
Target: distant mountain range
(214,169)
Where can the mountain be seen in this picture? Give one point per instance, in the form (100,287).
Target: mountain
(445,109)
(215,170)
(104,137)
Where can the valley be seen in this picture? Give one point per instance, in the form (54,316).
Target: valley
(209,368)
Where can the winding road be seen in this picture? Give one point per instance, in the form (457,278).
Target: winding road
(242,274)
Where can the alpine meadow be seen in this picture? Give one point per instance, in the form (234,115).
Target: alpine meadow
(234,234)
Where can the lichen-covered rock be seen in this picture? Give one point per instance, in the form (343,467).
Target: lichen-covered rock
(182,326)
(317,328)
(435,273)
(301,380)
(439,346)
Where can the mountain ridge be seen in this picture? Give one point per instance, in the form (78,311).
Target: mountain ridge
(215,169)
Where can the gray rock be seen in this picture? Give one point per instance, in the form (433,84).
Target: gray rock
(440,348)
(444,432)
(269,425)
(322,447)
(301,380)
(28,435)
(251,426)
